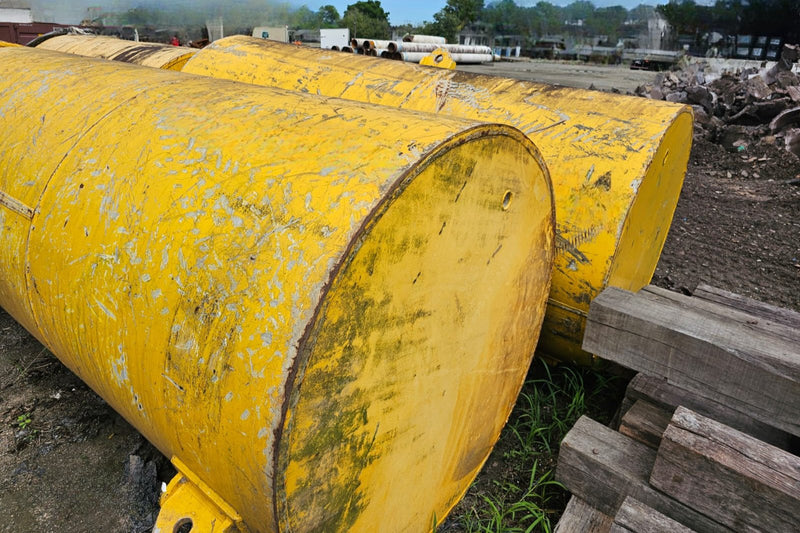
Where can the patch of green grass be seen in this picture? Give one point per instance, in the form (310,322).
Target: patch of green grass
(516,490)
(23,420)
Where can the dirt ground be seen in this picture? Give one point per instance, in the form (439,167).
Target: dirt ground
(568,73)
(737,225)
(68,463)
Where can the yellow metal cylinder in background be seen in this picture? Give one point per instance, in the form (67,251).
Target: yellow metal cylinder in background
(323,333)
(617,162)
(155,55)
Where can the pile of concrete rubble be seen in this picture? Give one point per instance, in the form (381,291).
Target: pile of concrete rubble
(738,106)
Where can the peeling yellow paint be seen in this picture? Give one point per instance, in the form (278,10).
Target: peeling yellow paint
(214,259)
(617,162)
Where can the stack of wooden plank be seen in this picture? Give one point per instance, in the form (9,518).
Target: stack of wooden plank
(709,431)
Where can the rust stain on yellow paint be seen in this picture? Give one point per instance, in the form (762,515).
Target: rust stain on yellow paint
(15,205)
(244,278)
(617,162)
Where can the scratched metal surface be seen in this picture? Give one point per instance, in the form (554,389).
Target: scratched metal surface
(617,163)
(155,55)
(423,378)
(246,273)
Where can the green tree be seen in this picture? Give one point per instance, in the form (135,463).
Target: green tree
(682,15)
(445,25)
(549,18)
(580,10)
(304,18)
(367,19)
(370,8)
(504,17)
(451,19)
(328,16)
(608,21)
(465,11)
(727,15)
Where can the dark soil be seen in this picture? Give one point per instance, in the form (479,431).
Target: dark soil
(68,463)
(737,224)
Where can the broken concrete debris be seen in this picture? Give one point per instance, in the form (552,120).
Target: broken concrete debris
(738,107)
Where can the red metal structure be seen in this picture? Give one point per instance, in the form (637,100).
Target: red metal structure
(25,32)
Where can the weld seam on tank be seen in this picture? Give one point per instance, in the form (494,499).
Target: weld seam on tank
(76,140)
(556,303)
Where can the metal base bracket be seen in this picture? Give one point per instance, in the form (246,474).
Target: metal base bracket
(190,505)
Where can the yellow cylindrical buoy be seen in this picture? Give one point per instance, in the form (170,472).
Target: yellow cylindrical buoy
(617,162)
(155,55)
(323,333)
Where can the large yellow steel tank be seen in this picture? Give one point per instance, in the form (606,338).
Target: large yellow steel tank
(617,162)
(156,55)
(323,333)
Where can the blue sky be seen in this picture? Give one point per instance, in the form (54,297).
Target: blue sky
(404,11)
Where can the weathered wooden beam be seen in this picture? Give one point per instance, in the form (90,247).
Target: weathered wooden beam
(771,320)
(657,391)
(636,517)
(727,475)
(580,517)
(645,422)
(603,467)
(718,355)
(764,312)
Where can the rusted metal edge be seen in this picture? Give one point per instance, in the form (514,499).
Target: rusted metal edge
(16,206)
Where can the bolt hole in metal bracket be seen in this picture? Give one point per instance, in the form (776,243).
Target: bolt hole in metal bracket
(189,505)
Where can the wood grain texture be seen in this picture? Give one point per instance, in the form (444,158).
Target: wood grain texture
(603,467)
(736,309)
(727,475)
(645,422)
(580,517)
(657,391)
(770,313)
(716,354)
(640,518)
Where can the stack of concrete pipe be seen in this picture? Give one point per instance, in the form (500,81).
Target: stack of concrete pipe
(413,52)
(322,318)
(414,48)
(432,39)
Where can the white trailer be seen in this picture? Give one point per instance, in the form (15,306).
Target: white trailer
(339,37)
